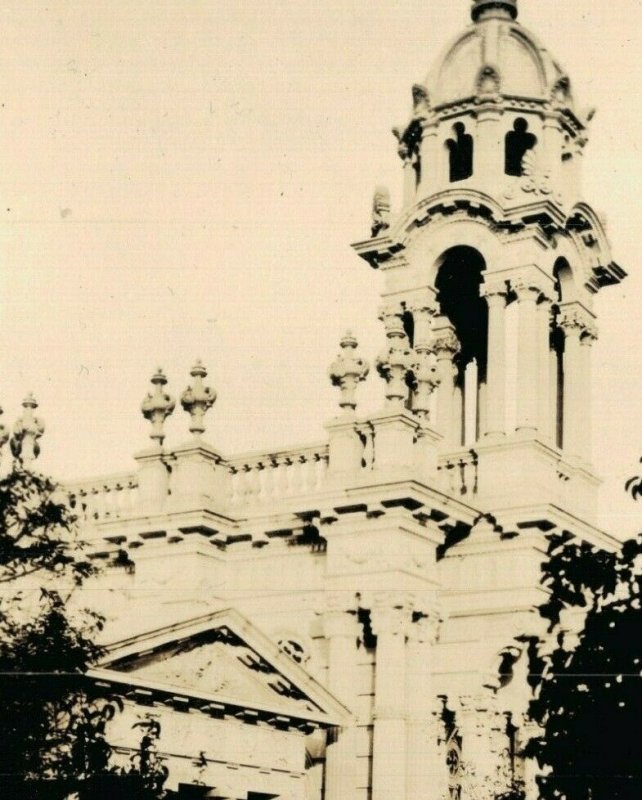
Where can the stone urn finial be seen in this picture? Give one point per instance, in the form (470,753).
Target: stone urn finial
(347,371)
(157,406)
(197,399)
(394,363)
(26,432)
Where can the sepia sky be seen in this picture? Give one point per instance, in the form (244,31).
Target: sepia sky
(183,179)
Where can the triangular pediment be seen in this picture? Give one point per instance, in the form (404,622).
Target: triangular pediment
(224,659)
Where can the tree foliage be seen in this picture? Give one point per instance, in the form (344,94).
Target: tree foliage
(53,724)
(588,692)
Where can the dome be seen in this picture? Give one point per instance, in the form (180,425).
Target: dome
(498,55)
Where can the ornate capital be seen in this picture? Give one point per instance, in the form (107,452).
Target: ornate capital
(340,624)
(445,343)
(26,432)
(157,406)
(392,317)
(347,371)
(197,399)
(427,307)
(575,320)
(526,289)
(493,288)
(391,613)
(425,628)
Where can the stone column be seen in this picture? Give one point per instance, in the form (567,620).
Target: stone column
(341,631)
(390,618)
(547,388)
(528,353)
(432,160)
(579,333)
(423,764)
(445,346)
(495,400)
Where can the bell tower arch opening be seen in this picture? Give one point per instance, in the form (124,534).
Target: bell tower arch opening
(459,277)
(460,154)
(518,142)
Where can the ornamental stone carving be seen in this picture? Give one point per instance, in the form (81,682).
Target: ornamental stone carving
(488,81)
(445,342)
(26,432)
(425,380)
(157,406)
(347,371)
(425,628)
(380,211)
(395,360)
(575,320)
(197,399)
(420,100)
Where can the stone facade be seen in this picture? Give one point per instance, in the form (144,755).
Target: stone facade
(349,619)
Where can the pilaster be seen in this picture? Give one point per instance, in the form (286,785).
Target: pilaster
(423,765)
(341,630)
(390,618)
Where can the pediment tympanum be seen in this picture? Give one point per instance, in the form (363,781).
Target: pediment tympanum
(224,658)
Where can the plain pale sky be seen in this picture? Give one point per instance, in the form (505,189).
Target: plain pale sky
(183,179)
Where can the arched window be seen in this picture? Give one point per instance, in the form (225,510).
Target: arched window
(460,149)
(457,283)
(518,142)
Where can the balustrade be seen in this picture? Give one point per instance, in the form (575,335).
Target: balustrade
(103,499)
(262,478)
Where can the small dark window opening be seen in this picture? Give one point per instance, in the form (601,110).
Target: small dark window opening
(460,149)
(518,142)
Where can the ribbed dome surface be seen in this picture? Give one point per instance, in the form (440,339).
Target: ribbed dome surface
(495,54)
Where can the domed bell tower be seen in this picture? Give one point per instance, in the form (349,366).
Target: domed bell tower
(491,265)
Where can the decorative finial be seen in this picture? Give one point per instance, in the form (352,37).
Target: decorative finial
(347,371)
(426,381)
(380,210)
(502,9)
(395,361)
(157,406)
(26,432)
(197,399)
